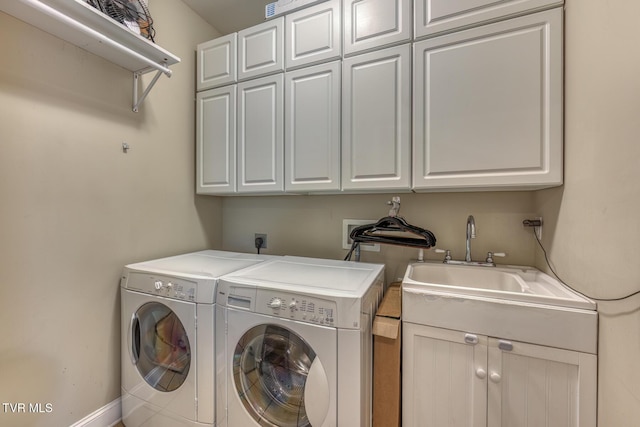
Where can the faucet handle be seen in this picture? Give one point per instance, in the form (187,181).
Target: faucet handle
(490,255)
(446,252)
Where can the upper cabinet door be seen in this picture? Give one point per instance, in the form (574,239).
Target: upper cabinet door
(376,120)
(216,140)
(312,135)
(260,135)
(488,106)
(313,35)
(217,62)
(261,49)
(439,16)
(371,24)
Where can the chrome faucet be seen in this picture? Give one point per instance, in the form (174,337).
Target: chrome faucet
(471,234)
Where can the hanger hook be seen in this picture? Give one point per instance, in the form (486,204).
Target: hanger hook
(395,206)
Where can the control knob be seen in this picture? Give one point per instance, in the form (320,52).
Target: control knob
(292,305)
(158,284)
(275,303)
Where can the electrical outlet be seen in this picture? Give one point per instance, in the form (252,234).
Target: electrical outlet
(538,229)
(264,239)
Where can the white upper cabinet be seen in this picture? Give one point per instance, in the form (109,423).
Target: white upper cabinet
(372,24)
(260,135)
(216,141)
(313,35)
(261,49)
(217,62)
(488,106)
(312,134)
(438,16)
(385,95)
(376,120)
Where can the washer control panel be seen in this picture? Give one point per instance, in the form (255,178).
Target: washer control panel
(292,306)
(164,286)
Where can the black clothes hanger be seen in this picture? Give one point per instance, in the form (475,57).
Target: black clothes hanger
(373,233)
(366,233)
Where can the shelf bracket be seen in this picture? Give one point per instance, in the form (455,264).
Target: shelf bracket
(136,82)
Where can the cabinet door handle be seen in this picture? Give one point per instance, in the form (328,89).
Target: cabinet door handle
(505,345)
(470,339)
(481,373)
(495,377)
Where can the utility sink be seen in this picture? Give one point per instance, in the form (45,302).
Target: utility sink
(515,283)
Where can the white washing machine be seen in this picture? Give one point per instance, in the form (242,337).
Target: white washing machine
(299,343)
(169,338)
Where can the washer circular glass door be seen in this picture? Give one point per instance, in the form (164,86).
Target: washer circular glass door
(271,366)
(160,347)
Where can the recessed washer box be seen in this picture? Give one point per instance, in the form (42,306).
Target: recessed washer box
(350,224)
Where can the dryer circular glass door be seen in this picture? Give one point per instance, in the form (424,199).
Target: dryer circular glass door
(276,374)
(160,346)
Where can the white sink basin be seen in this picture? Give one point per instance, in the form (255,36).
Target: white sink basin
(525,284)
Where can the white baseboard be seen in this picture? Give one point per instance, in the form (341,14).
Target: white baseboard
(108,415)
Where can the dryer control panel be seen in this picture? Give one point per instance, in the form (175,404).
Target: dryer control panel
(292,306)
(164,286)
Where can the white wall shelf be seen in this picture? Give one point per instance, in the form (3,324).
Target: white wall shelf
(86,27)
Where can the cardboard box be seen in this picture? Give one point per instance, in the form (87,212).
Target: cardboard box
(387,346)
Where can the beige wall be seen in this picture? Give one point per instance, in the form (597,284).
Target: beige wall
(592,228)
(74,209)
(312,225)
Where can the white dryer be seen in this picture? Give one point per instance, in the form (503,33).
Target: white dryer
(299,343)
(169,338)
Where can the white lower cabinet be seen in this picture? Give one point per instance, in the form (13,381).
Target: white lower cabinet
(457,379)
(216,141)
(312,134)
(260,141)
(376,120)
(488,106)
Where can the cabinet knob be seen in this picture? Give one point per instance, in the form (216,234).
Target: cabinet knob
(495,377)
(481,373)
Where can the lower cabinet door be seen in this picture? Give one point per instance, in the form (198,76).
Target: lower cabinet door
(532,385)
(444,381)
